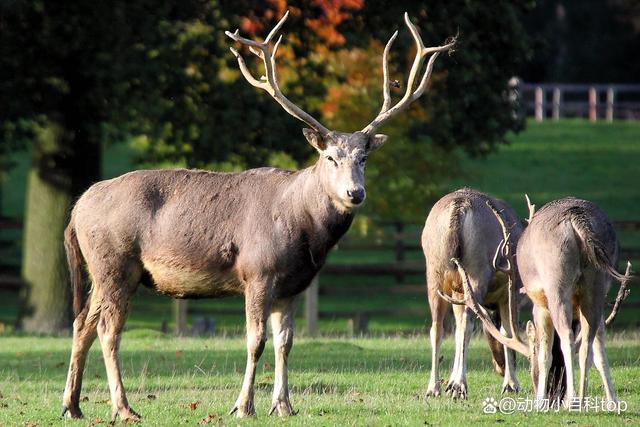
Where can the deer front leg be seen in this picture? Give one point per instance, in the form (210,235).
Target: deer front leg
(257,306)
(282,318)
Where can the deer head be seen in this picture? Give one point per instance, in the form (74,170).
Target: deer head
(342,155)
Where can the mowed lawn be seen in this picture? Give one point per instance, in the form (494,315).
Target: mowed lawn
(333,382)
(595,161)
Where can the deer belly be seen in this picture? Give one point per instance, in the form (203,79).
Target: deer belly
(184,282)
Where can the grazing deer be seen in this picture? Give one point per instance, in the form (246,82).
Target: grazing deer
(461,225)
(566,258)
(263,233)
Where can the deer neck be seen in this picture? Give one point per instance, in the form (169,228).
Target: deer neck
(314,208)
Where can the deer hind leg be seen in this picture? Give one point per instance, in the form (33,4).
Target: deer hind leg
(545,333)
(257,307)
(84,334)
(510,383)
(282,317)
(438,308)
(457,386)
(590,318)
(113,287)
(561,309)
(601,362)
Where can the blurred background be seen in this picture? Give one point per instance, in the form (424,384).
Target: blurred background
(540,97)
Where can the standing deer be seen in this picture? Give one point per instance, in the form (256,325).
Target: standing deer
(566,258)
(263,233)
(461,225)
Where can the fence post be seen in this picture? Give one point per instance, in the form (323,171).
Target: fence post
(539,104)
(557,100)
(593,104)
(180,312)
(400,248)
(610,100)
(311,307)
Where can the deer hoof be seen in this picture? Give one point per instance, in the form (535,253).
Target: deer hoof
(243,410)
(126,414)
(511,388)
(71,411)
(282,407)
(457,390)
(433,391)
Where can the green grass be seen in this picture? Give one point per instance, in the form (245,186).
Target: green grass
(595,161)
(361,381)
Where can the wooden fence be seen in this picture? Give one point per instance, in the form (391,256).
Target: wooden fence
(399,241)
(595,101)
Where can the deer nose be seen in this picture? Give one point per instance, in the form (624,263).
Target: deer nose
(356,195)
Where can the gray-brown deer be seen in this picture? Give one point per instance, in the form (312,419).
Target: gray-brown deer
(566,258)
(461,225)
(263,233)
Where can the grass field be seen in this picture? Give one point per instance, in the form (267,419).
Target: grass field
(333,382)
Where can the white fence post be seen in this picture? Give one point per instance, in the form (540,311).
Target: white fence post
(311,307)
(557,100)
(593,104)
(539,104)
(610,101)
(180,312)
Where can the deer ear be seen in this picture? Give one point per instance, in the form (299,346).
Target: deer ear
(376,141)
(315,139)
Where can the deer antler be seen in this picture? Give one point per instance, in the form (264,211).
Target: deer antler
(532,209)
(623,293)
(410,95)
(269,82)
(513,342)
(504,249)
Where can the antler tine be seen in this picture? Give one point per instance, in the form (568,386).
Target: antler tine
(503,247)
(532,209)
(386,84)
(514,342)
(623,293)
(410,95)
(270,82)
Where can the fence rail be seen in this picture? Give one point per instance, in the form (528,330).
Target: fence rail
(399,241)
(595,101)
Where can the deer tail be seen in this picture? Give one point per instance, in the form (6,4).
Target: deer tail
(592,248)
(74,261)
(454,243)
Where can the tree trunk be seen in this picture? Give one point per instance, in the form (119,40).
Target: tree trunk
(58,175)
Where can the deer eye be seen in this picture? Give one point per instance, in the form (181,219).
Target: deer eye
(332,160)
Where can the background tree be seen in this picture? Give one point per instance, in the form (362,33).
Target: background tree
(584,41)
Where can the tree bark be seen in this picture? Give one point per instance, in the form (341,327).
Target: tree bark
(64,163)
